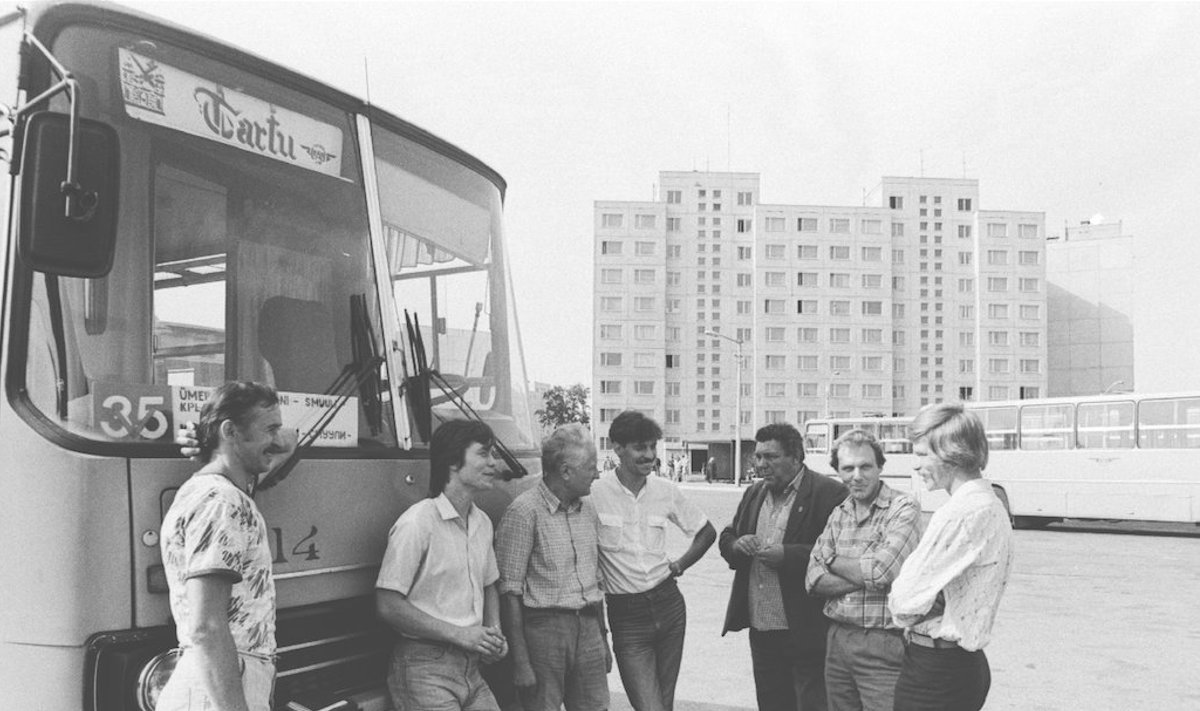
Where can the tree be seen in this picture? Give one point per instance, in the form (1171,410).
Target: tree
(564,405)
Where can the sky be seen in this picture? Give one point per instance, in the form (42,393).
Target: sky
(1075,109)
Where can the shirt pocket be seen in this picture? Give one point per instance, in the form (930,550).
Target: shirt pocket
(656,534)
(610,531)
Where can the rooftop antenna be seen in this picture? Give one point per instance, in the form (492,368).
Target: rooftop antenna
(367,77)
(728,139)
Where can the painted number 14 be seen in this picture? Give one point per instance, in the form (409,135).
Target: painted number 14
(309,551)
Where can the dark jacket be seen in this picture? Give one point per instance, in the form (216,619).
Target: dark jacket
(816,497)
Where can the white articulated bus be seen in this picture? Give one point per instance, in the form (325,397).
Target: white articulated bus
(1121,456)
(180,213)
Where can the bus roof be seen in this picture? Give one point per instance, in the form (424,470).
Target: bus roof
(48,20)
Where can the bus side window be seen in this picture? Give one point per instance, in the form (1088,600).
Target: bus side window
(1169,424)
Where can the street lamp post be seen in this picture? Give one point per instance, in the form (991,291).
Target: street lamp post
(737,414)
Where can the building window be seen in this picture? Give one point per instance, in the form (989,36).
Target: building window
(872,391)
(872,363)
(872,281)
(966,311)
(806,251)
(806,390)
(807,307)
(611,220)
(966,286)
(776,251)
(997,229)
(998,257)
(964,204)
(1030,312)
(610,360)
(998,366)
(775,224)
(608,414)
(806,279)
(839,281)
(610,332)
(745,198)
(807,362)
(997,284)
(645,222)
(610,387)
(872,227)
(610,248)
(643,276)
(743,225)
(743,307)
(673,278)
(839,390)
(998,392)
(671,417)
(872,254)
(806,224)
(744,253)
(645,332)
(1030,285)
(774,334)
(872,308)
(839,335)
(743,279)
(644,303)
(1029,258)
(807,334)
(964,231)
(896,202)
(839,307)
(674,197)
(898,283)
(839,225)
(644,249)
(898,338)
(997,310)
(897,311)
(673,361)
(1027,231)
(773,278)
(897,229)
(673,224)
(774,362)
(1028,392)
(966,339)
(964,258)
(966,366)
(1031,366)
(840,252)
(1030,339)
(773,306)
(609,304)
(643,387)
(775,389)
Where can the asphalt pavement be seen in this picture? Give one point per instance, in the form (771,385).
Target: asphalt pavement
(1096,617)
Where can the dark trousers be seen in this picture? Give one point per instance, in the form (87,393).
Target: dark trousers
(786,678)
(942,680)
(647,633)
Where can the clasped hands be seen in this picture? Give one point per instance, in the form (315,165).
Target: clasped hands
(488,642)
(771,555)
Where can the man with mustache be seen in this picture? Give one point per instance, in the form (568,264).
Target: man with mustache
(768,545)
(218,561)
(859,554)
(646,611)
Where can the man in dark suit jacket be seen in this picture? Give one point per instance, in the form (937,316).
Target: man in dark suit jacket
(768,545)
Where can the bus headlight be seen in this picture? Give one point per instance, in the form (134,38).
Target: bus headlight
(154,677)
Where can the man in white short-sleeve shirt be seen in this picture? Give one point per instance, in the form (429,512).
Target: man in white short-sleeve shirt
(646,612)
(437,582)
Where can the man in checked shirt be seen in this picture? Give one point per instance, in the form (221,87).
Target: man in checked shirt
(867,539)
(552,610)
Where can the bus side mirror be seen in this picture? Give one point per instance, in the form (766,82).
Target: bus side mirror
(50,241)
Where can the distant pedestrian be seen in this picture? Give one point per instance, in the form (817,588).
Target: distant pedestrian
(646,611)
(552,602)
(949,589)
(859,554)
(768,545)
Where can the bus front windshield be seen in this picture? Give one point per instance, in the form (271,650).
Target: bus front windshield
(243,253)
(446,259)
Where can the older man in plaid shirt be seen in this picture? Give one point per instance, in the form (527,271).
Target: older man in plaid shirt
(853,564)
(547,550)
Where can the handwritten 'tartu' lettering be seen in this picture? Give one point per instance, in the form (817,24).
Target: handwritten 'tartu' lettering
(225,121)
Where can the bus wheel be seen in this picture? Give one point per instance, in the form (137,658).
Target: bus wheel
(1030,523)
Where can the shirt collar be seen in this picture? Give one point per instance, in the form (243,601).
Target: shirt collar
(553,503)
(883,499)
(446,509)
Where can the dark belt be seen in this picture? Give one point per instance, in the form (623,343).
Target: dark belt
(924,640)
(591,610)
(666,587)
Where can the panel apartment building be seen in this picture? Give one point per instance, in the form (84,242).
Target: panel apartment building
(834,310)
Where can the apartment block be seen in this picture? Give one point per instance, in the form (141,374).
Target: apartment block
(1090,303)
(831,310)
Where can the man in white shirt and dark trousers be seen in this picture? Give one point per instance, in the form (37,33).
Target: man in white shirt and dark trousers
(646,612)
(949,589)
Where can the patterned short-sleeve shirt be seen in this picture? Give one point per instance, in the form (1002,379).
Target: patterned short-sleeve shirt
(214,528)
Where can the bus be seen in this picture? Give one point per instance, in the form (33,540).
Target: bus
(179,213)
(1120,456)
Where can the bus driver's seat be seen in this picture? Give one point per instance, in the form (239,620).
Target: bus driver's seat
(296,337)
